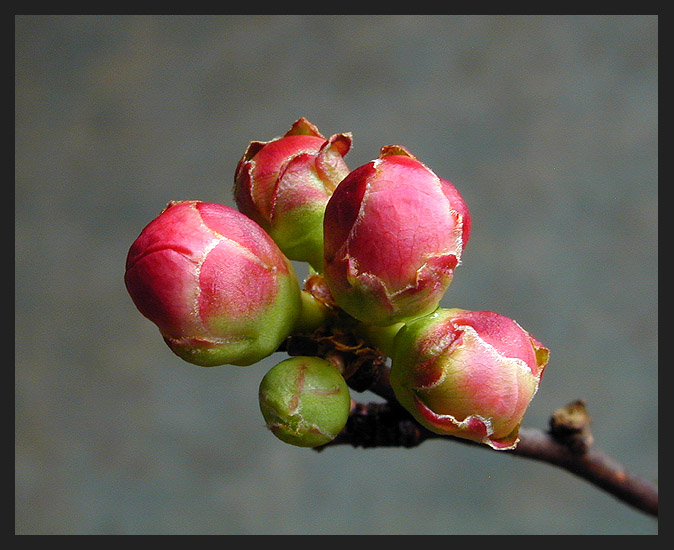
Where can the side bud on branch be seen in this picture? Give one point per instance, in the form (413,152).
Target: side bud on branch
(215,284)
(394,233)
(284,185)
(305,401)
(470,374)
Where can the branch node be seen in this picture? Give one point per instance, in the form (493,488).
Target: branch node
(570,426)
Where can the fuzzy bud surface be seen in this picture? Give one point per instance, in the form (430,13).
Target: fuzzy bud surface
(215,284)
(394,234)
(470,374)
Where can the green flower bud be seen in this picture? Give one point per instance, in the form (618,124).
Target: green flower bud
(305,401)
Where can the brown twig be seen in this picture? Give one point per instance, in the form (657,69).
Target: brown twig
(387,425)
(568,444)
(593,466)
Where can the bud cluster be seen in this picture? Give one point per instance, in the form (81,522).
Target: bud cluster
(383,242)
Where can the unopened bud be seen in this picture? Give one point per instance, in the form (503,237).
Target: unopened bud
(394,234)
(305,401)
(470,374)
(284,185)
(215,284)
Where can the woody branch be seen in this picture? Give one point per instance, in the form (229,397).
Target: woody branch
(567,443)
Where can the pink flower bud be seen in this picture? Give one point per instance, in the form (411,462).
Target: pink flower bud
(394,233)
(470,374)
(284,185)
(215,284)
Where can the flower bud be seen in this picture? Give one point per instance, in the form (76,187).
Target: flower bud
(215,284)
(305,401)
(470,374)
(284,185)
(394,233)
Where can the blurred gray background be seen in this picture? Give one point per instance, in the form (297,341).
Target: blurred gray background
(548,126)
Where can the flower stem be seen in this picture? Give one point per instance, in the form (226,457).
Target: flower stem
(380,338)
(313,316)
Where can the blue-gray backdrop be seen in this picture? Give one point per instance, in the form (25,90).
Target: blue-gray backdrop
(548,125)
